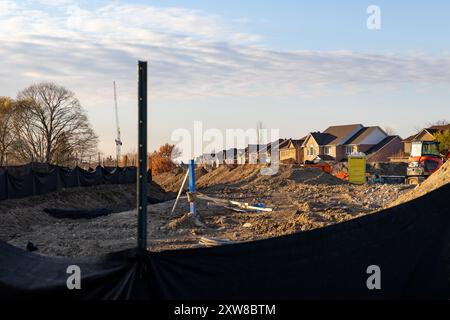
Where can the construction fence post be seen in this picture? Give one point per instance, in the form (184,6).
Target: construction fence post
(142,156)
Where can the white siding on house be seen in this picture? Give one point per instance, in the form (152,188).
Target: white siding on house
(375,137)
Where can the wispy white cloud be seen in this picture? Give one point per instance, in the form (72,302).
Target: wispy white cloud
(191,53)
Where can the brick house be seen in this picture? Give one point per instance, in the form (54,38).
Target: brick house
(385,150)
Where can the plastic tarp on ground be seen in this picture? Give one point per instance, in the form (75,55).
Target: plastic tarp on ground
(37,179)
(78,213)
(409,243)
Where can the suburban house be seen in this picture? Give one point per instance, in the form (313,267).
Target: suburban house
(252,153)
(292,149)
(338,142)
(219,158)
(427,134)
(241,156)
(265,153)
(331,143)
(231,156)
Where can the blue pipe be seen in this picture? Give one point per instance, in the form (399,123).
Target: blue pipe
(192,186)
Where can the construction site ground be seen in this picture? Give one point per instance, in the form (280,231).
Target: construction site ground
(302,199)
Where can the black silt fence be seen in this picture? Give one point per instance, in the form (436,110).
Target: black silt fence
(30,180)
(409,244)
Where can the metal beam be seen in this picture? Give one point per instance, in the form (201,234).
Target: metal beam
(142,156)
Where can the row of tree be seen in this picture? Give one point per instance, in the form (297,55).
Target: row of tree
(159,161)
(45,123)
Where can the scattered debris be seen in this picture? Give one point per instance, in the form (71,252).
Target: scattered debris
(242,207)
(211,242)
(186,221)
(301,200)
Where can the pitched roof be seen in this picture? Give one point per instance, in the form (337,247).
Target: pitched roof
(410,138)
(297,142)
(382,144)
(436,129)
(281,142)
(323,139)
(432,130)
(254,148)
(362,134)
(284,144)
(341,133)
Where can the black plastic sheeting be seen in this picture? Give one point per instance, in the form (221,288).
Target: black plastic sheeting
(409,243)
(78,213)
(29,180)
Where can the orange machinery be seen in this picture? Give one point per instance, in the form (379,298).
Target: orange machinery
(425,160)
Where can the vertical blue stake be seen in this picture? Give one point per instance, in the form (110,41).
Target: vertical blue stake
(192,186)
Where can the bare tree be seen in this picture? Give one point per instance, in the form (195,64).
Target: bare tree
(52,126)
(6,127)
(390,131)
(442,122)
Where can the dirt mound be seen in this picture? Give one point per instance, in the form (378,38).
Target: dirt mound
(313,176)
(378,168)
(21,215)
(435,181)
(295,174)
(171,181)
(246,175)
(229,175)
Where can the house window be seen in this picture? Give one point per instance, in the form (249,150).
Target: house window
(312,152)
(327,150)
(348,150)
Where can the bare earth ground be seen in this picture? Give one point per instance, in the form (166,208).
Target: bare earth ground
(302,199)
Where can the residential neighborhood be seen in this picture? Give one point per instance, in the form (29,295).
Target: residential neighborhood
(334,144)
(218,158)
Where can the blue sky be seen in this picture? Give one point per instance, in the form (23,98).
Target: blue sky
(294,65)
(334,25)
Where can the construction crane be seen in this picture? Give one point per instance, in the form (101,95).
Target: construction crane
(118,139)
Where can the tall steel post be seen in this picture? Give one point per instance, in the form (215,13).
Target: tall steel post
(142,156)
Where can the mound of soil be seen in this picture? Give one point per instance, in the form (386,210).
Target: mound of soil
(171,181)
(229,175)
(313,176)
(379,168)
(21,215)
(248,175)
